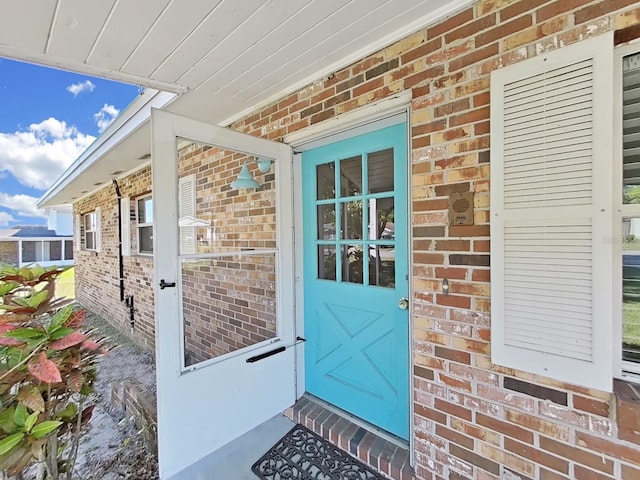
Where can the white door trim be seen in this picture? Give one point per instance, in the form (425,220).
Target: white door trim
(317,135)
(361,120)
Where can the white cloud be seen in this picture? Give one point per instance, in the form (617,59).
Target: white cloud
(5,218)
(77,88)
(22,205)
(37,157)
(105,116)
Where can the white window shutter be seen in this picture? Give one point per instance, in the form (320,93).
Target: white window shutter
(125,225)
(551,214)
(98,229)
(77,243)
(187,214)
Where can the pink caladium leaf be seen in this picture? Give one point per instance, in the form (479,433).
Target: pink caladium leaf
(10,342)
(77,319)
(90,345)
(6,328)
(70,340)
(44,369)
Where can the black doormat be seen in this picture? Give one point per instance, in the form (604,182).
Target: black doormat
(303,455)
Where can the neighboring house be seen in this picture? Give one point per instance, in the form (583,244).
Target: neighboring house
(493,334)
(46,245)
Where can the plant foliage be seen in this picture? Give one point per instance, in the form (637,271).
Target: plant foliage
(47,371)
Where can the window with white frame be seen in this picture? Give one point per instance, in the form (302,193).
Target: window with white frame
(145,224)
(46,250)
(630,209)
(91,233)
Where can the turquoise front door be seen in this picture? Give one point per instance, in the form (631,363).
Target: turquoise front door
(355,276)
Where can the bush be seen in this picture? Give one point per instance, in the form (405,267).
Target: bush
(47,371)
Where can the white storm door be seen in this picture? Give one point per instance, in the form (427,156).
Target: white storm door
(225,340)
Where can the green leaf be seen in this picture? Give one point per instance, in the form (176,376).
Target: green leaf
(36,299)
(7,269)
(37,270)
(60,332)
(8,444)
(45,428)
(6,420)
(30,422)
(69,412)
(6,287)
(22,301)
(60,317)
(25,333)
(20,416)
(33,344)
(17,459)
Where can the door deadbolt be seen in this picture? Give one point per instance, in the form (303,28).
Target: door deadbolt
(403,304)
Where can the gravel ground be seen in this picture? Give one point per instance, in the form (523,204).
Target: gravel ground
(112,448)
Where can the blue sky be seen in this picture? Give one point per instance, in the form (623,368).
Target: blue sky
(47,118)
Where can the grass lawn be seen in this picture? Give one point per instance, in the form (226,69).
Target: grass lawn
(65,286)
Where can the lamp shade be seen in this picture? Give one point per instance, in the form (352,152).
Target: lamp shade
(244,180)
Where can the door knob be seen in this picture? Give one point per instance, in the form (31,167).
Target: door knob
(403,304)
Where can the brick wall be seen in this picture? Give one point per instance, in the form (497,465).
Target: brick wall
(139,403)
(472,419)
(97,274)
(230,301)
(230,304)
(9,252)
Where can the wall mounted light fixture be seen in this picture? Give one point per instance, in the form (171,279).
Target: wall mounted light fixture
(245,180)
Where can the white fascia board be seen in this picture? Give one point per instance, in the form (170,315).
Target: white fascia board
(136,115)
(431,18)
(35,239)
(68,65)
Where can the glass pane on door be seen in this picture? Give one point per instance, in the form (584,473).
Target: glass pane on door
(228,252)
(364,212)
(228,304)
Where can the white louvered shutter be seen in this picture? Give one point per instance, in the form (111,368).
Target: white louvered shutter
(187,210)
(125,225)
(551,214)
(77,244)
(98,239)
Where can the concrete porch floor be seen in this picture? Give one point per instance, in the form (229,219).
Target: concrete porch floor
(234,461)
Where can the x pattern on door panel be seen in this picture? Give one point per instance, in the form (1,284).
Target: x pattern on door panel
(355,354)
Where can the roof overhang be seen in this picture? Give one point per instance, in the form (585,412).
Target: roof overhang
(122,147)
(217,59)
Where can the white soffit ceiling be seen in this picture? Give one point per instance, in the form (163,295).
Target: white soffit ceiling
(224,57)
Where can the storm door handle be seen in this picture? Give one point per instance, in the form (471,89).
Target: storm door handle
(164,284)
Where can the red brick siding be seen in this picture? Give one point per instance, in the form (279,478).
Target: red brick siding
(469,421)
(9,252)
(467,424)
(97,274)
(230,303)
